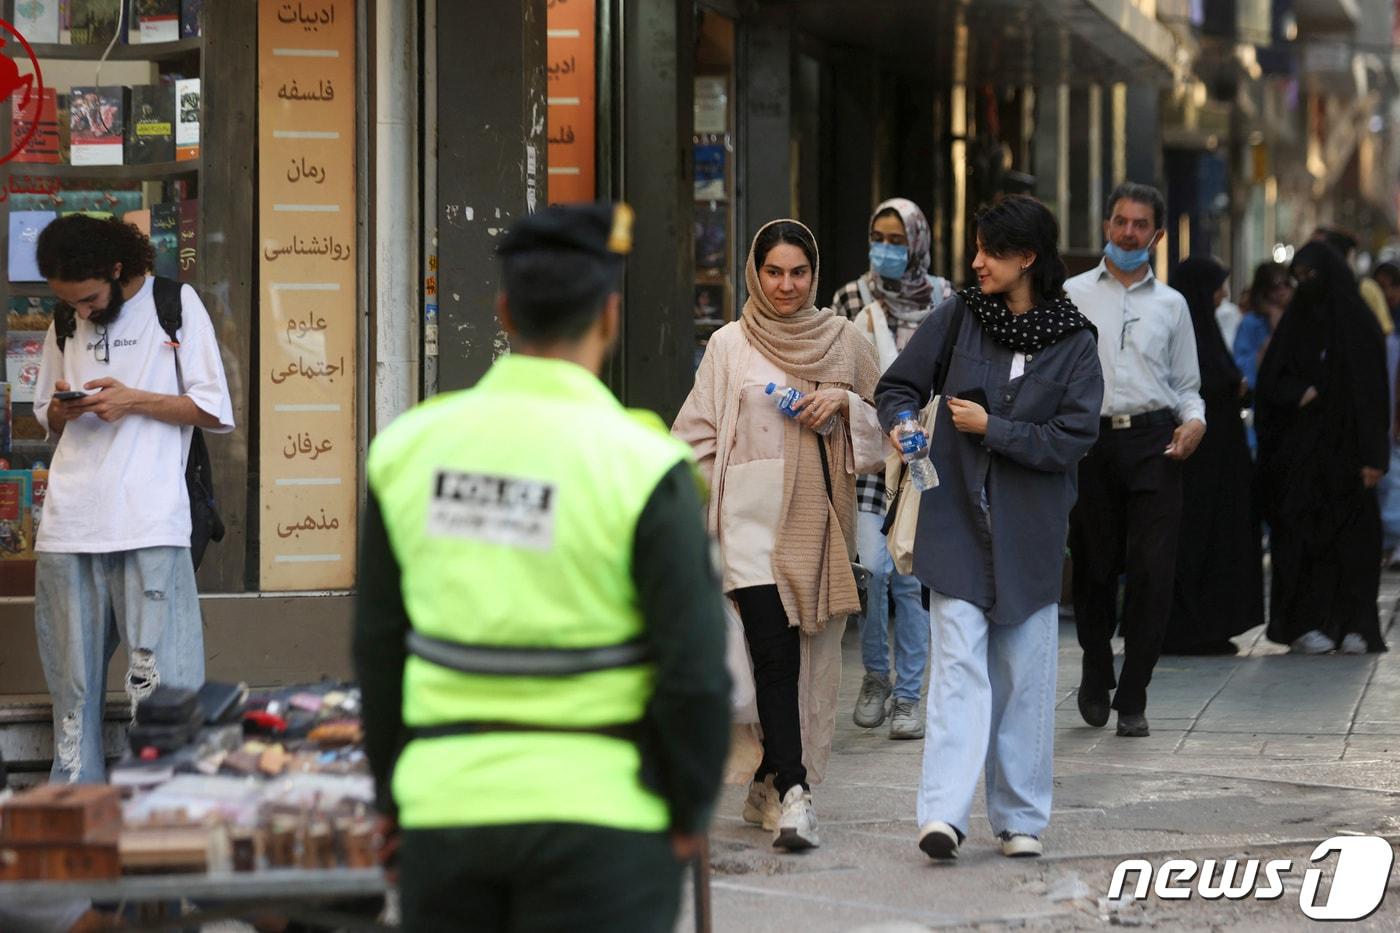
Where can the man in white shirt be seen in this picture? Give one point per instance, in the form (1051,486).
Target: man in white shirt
(1129,509)
(114,546)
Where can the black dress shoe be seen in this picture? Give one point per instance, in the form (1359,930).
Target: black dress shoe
(1133,725)
(1093,706)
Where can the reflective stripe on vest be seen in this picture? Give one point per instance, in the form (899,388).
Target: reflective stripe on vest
(525,662)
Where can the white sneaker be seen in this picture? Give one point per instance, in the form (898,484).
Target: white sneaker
(1353,644)
(1313,642)
(938,840)
(1020,845)
(797,827)
(762,807)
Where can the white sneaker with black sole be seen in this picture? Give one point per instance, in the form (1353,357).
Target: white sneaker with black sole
(797,827)
(1020,845)
(938,840)
(762,807)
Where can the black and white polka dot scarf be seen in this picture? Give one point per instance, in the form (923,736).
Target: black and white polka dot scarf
(1031,332)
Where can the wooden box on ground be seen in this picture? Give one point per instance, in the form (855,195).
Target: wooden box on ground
(63,813)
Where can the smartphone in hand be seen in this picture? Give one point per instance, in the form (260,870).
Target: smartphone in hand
(70,395)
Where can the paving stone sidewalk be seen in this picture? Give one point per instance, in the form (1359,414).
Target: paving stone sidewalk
(1264,754)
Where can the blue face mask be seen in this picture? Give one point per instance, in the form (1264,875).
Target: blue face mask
(888,260)
(1127,260)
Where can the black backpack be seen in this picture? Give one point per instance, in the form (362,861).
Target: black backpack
(205,524)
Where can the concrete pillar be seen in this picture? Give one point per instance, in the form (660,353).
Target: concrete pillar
(655,45)
(491,159)
(765,127)
(1052,168)
(395,333)
(1144,135)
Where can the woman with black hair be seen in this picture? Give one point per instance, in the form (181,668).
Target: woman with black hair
(1219,589)
(783,507)
(1018,370)
(1322,414)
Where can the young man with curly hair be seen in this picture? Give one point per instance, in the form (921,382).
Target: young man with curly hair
(114,547)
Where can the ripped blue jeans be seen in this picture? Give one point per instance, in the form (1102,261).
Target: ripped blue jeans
(87,604)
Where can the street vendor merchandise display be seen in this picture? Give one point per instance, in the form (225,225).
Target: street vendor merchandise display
(214,782)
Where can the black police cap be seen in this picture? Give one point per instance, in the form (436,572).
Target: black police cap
(602,230)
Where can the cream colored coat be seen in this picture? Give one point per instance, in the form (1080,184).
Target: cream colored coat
(702,423)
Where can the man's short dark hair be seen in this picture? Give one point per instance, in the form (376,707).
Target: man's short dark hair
(79,247)
(556,294)
(1143,194)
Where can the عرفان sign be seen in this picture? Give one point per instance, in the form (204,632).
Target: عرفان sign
(1359,878)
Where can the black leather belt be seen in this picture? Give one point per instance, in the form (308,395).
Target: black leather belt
(1151,419)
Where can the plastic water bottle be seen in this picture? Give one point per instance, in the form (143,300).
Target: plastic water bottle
(913,447)
(787,397)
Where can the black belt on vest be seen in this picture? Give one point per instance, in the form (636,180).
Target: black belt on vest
(1149,419)
(525,662)
(627,731)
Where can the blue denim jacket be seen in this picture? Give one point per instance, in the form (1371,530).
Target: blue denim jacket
(1002,552)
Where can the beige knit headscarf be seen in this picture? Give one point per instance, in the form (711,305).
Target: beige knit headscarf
(816,348)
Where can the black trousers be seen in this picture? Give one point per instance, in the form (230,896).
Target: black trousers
(775,648)
(1127,520)
(538,878)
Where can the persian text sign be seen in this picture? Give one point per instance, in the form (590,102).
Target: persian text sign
(307,263)
(571,78)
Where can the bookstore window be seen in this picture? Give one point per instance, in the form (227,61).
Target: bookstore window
(122,140)
(714,177)
(266,234)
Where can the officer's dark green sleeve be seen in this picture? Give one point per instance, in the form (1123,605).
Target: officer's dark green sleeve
(381,625)
(680,601)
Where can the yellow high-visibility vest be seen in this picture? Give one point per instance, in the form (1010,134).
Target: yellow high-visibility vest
(511,509)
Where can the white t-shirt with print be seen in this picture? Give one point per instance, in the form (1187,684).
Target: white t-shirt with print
(119,486)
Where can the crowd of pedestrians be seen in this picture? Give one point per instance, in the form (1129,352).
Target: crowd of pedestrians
(1176,442)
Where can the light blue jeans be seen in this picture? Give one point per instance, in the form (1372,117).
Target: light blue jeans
(991,698)
(910,632)
(84,606)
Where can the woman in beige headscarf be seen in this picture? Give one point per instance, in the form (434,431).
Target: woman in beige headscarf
(782,504)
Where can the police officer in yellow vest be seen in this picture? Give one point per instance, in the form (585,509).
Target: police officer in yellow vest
(539,634)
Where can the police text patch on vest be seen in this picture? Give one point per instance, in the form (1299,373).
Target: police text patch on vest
(496,509)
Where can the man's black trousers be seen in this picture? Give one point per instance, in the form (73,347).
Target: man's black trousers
(538,878)
(1127,520)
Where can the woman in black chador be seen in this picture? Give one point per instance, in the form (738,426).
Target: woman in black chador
(1219,575)
(1322,414)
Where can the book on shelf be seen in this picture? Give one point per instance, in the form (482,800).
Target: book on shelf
(189,240)
(141,220)
(150,131)
(37,20)
(110,201)
(30,313)
(97,120)
(24,351)
(25,227)
(187,119)
(165,237)
(42,110)
(155,21)
(16,515)
(91,22)
(190,14)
